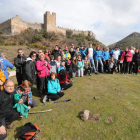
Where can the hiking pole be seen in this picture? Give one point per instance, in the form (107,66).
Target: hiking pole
(40,111)
(56,102)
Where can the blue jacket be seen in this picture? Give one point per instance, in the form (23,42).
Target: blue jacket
(53,86)
(5,64)
(60,68)
(96,55)
(80,64)
(105,55)
(82,53)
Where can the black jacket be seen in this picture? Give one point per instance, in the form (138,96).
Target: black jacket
(29,70)
(19,63)
(56,53)
(136,57)
(6,103)
(74,67)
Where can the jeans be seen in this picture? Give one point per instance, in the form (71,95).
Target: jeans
(101,63)
(92,63)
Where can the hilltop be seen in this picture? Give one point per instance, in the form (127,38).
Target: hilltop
(131,40)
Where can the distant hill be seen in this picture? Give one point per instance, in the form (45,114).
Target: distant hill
(131,40)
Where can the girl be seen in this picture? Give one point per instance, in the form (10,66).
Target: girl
(80,65)
(62,66)
(54,89)
(74,66)
(58,61)
(87,67)
(69,68)
(63,79)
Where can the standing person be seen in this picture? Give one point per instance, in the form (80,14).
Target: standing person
(58,61)
(67,55)
(72,53)
(19,63)
(89,52)
(5,64)
(98,58)
(131,63)
(80,65)
(39,52)
(81,51)
(74,66)
(126,58)
(46,52)
(78,51)
(53,64)
(72,45)
(7,114)
(136,61)
(43,68)
(106,57)
(30,68)
(56,52)
(62,66)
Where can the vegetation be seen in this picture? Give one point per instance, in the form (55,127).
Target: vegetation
(119,99)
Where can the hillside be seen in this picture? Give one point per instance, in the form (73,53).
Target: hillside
(131,40)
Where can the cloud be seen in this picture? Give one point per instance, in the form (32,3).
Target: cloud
(109,20)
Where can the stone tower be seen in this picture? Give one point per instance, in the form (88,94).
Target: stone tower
(50,22)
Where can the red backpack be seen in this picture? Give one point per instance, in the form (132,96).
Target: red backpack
(29,131)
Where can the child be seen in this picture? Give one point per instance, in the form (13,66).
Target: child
(69,68)
(53,64)
(63,79)
(58,61)
(87,67)
(54,89)
(80,65)
(74,66)
(62,66)
(112,68)
(26,94)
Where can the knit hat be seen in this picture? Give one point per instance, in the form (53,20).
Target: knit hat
(69,61)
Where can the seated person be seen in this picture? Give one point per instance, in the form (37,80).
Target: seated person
(2,81)
(7,114)
(54,89)
(62,66)
(112,67)
(26,94)
(87,66)
(63,79)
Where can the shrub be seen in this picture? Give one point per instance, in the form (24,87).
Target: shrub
(1,41)
(1,32)
(21,42)
(68,33)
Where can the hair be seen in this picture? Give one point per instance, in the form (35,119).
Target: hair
(63,74)
(1,53)
(26,84)
(20,49)
(80,56)
(8,81)
(40,49)
(46,51)
(51,57)
(126,47)
(99,47)
(106,49)
(41,54)
(74,61)
(32,53)
(52,73)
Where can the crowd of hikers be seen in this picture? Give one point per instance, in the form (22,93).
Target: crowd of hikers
(54,71)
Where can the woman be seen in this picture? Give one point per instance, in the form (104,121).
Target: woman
(74,66)
(30,68)
(54,89)
(47,55)
(43,68)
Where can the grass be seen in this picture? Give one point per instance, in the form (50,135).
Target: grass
(119,98)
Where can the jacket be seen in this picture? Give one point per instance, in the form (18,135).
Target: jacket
(74,67)
(87,64)
(5,64)
(19,63)
(60,68)
(43,71)
(60,79)
(29,70)
(6,103)
(128,57)
(47,57)
(136,57)
(53,86)
(56,53)
(105,55)
(53,66)
(67,56)
(89,52)
(97,55)
(80,64)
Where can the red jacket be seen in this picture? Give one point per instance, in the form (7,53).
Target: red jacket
(128,57)
(60,80)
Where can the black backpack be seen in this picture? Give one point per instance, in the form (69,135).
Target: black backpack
(29,131)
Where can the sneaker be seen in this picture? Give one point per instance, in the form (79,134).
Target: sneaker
(90,74)
(44,99)
(11,126)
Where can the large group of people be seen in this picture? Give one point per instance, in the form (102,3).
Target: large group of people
(54,71)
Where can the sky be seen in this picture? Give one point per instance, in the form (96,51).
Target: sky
(110,20)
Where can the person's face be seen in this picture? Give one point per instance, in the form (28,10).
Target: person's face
(85,58)
(41,58)
(116,49)
(66,51)
(53,77)
(72,46)
(47,52)
(126,49)
(63,63)
(40,51)
(56,48)
(77,49)
(9,87)
(79,57)
(20,53)
(74,58)
(33,57)
(137,50)
(90,45)
(59,58)
(97,48)
(71,49)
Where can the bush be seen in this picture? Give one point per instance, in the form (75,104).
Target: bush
(1,41)
(1,32)
(37,46)
(35,38)
(68,33)
(21,42)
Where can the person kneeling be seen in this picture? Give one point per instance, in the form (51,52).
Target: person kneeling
(87,66)
(112,66)
(54,89)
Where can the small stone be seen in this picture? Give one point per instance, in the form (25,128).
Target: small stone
(97,98)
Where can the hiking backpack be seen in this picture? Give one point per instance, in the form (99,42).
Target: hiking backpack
(29,131)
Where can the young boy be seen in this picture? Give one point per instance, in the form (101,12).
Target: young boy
(53,64)
(62,66)
(112,66)
(87,67)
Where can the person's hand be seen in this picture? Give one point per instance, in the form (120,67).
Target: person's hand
(2,130)
(46,63)
(83,69)
(134,63)
(20,101)
(81,66)
(78,67)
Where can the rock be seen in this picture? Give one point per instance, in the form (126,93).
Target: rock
(85,115)
(110,119)
(97,98)
(94,117)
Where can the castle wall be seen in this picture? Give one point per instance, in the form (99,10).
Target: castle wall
(6,27)
(61,30)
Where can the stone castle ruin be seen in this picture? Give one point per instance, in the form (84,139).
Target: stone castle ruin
(15,25)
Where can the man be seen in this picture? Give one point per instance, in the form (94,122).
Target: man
(7,114)
(5,64)
(72,53)
(19,63)
(39,52)
(115,55)
(89,52)
(82,50)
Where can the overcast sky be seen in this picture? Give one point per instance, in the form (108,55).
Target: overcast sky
(110,20)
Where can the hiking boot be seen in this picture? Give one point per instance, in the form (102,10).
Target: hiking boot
(11,126)
(44,99)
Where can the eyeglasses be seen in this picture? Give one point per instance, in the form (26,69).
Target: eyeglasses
(39,52)
(10,86)
(34,55)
